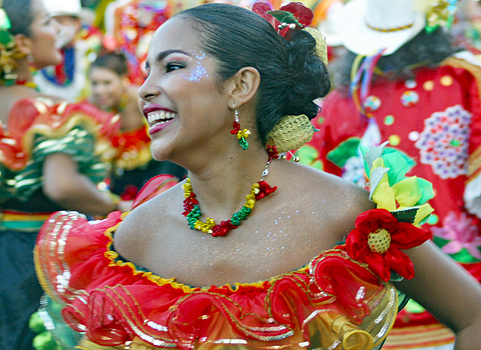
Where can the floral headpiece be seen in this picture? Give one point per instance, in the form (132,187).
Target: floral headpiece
(290,18)
(8,52)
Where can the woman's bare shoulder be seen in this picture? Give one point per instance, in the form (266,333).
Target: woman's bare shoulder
(148,220)
(337,201)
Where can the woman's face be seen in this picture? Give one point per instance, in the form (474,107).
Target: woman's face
(184,104)
(44,32)
(107,87)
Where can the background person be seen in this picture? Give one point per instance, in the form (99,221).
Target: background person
(52,155)
(422,95)
(111,91)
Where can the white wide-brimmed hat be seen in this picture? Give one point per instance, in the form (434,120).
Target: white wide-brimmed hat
(370,25)
(68,8)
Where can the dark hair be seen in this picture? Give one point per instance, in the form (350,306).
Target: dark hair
(20,14)
(424,50)
(292,75)
(115,61)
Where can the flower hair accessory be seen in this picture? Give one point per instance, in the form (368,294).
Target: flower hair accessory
(292,131)
(290,18)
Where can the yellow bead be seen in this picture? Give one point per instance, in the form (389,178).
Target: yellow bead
(210,222)
(250,203)
(243,133)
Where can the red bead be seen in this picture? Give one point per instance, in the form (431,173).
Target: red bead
(272,151)
(236,128)
(264,190)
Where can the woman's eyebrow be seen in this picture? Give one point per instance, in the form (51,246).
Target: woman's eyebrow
(161,55)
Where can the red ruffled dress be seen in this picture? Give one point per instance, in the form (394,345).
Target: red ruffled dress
(337,301)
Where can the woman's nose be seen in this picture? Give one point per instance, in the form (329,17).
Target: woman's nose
(148,89)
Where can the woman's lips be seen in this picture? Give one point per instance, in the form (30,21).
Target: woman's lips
(158,117)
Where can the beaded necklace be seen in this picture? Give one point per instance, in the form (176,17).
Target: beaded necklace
(26,83)
(29,84)
(192,211)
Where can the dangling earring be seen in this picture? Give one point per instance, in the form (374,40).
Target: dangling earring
(242,135)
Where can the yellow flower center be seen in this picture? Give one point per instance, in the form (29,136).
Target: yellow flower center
(379,241)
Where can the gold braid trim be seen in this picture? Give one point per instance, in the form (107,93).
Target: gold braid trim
(390,30)
(473,69)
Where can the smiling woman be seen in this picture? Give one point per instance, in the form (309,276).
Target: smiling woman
(260,266)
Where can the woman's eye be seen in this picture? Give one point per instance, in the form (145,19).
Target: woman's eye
(169,67)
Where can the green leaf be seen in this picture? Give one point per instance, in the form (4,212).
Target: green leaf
(284,16)
(405,215)
(397,166)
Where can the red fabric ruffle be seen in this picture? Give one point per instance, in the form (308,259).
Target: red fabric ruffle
(113,301)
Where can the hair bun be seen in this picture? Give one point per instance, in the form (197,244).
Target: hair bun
(308,77)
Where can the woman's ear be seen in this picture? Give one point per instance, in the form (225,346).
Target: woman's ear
(244,85)
(24,44)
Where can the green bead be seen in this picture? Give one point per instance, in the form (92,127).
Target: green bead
(243,215)
(246,210)
(243,143)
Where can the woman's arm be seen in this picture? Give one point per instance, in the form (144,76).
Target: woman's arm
(448,292)
(64,185)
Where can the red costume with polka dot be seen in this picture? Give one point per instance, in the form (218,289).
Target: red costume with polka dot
(435,120)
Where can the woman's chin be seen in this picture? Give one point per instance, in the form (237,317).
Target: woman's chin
(159,152)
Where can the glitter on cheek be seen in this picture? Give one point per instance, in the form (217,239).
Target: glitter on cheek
(198,73)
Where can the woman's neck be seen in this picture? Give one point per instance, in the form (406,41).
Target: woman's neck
(23,72)
(222,187)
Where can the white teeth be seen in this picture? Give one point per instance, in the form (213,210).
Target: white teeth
(160,117)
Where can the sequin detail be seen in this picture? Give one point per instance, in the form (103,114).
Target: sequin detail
(409,98)
(372,103)
(444,142)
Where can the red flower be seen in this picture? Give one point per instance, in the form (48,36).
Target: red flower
(293,13)
(261,9)
(302,13)
(130,192)
(378,239)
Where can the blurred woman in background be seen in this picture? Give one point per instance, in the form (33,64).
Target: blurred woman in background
(111,91)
